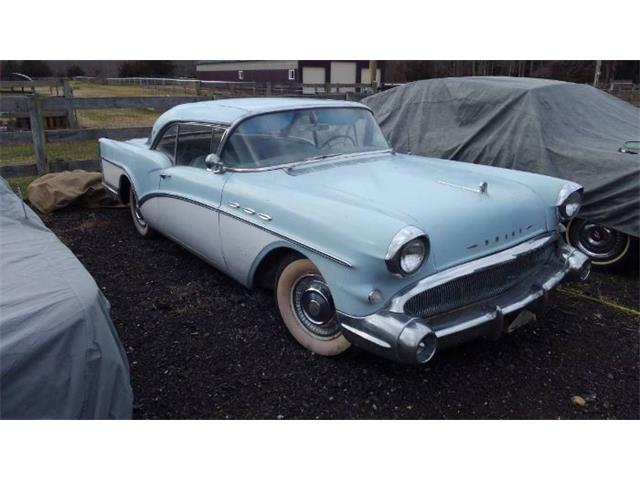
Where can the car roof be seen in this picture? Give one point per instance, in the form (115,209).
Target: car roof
(231,110)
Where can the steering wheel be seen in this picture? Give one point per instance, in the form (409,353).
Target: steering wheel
(347,137)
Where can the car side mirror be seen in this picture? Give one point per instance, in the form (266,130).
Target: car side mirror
(214,163)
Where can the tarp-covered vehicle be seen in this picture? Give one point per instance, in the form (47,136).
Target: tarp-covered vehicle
(60,356)
(554,128)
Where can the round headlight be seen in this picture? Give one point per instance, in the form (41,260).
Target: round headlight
(570,207)
(412,255)
(407,251)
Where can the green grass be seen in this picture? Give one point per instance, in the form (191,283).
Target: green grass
(24,154)
(116,117)
(22,182)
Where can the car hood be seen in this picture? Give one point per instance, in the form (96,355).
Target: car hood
(441,197)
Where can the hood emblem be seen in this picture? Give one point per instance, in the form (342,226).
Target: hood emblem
(482,188)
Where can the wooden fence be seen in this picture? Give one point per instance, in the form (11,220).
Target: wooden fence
(35,104)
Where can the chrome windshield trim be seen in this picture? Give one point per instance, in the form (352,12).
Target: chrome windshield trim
(300,163)
(396,304)
(299,243)
(229,131)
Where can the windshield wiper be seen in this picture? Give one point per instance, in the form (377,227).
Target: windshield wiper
(322,157)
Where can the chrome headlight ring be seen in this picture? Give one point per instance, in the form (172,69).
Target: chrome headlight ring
(407,251)
(569,201)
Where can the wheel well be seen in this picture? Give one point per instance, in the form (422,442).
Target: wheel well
(265,274)
(125,188)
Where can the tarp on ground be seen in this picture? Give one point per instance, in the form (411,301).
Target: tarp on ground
(54,191)
(60,356)
(554,128)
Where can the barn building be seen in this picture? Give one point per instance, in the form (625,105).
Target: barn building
(288,71)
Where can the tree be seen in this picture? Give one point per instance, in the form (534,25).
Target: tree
(35,68)
(147,68)
(75,71)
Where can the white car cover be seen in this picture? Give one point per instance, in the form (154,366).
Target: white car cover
(60,356)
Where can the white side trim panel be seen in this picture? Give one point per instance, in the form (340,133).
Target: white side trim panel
(111,174)
(242,243)
(192,225)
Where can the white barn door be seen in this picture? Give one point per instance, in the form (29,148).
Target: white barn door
(343,72)
(312,75)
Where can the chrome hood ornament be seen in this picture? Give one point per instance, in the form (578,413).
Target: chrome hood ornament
(482,188)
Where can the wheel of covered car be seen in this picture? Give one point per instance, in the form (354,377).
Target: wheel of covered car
(136,214)
(603,245)
(306,307)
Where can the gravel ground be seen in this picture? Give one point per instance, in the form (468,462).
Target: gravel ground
(202,346)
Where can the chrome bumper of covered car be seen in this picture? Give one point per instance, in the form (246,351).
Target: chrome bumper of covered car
(467,301)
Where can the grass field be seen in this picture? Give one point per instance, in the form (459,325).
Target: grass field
(91,118)
(116,117)
(24,154)
(90,89)
(22,182)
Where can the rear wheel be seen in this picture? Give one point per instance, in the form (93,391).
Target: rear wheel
(306,307)
(139,222)
(606,247)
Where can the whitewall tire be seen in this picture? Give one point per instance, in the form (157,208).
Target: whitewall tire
(306,307)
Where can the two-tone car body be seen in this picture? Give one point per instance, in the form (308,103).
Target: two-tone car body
(397,254)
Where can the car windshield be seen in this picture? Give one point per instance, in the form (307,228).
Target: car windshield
(292,136)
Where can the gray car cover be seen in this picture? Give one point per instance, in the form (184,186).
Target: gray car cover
(554,128)
(60,356)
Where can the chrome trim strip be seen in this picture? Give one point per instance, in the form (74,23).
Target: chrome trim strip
(234,204)
(397,302)
(250,211)
(264,216)
(217,209)
(110,189)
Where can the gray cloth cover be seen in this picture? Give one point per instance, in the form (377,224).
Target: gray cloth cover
(60,356)
(554,128)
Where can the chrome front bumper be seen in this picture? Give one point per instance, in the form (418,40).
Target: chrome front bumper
(396,335)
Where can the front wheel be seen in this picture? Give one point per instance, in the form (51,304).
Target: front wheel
(306,307)
(605,247)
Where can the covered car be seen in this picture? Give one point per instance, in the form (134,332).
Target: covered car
(543,126)
(60,356)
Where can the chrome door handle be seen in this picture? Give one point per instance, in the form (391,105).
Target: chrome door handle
(165,175)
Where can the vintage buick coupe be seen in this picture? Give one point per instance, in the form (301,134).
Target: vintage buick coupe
(397,254)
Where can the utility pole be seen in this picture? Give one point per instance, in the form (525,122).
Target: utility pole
(373,74)
(596,77)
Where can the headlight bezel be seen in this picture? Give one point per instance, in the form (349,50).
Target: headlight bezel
(400,241)
(570,193)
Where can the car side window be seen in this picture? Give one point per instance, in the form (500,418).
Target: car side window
(167,143)
(195,142)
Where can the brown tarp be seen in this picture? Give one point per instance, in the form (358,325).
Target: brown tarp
(57,190)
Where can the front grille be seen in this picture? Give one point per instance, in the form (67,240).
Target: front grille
(478,286)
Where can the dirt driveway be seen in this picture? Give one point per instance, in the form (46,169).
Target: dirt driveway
(202,346)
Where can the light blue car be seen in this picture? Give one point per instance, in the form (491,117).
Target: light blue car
(397,254)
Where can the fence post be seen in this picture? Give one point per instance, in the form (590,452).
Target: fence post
(71,113)
(268,89)
(37,132)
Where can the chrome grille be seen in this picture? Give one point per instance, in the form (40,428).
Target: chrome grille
(478,286)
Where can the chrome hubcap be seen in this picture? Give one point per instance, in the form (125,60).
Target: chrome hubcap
(312,303)
(600,242)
